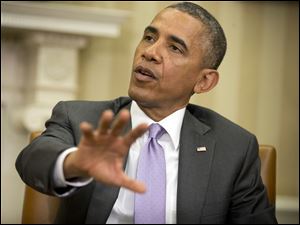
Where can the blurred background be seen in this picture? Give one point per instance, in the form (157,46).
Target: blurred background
(52,51)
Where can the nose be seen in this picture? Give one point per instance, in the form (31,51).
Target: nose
(152,53)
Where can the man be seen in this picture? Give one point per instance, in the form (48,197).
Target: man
(210,170)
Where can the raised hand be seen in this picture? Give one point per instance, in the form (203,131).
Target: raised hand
(101,152)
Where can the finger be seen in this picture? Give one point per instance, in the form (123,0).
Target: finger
(120,122)
(135,133)
(105,121)
(87,130)
(133,185)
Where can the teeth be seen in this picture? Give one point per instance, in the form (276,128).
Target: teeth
(145,73)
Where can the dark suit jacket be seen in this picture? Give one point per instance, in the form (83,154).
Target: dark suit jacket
(221,185)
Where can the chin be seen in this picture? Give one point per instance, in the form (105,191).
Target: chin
(139,97)
(135,94)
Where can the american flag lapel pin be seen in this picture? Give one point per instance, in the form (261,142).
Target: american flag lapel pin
(201,149)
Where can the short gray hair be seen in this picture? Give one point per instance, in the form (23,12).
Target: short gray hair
(214,42)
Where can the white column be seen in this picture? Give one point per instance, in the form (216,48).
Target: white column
(52,74)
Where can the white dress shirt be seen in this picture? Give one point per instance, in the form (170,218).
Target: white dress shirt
(123,209)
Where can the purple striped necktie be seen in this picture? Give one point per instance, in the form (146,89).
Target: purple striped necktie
(150,207)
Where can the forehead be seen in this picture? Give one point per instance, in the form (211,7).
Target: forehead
(174,22)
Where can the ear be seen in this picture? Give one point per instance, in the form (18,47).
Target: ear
(208,79)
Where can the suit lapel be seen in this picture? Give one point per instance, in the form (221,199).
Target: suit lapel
(101,203)
(194,169)
(193,176)
(104,197)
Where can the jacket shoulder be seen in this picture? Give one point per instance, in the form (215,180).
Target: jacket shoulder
(73,113)
(218,123)
(115,104)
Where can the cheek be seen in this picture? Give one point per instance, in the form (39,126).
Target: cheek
(176,62)
(177,82)
(177,69)
(179,76)
(137,52)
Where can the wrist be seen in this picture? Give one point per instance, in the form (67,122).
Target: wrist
(70,169)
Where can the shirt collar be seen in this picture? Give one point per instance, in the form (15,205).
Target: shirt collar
(172,123)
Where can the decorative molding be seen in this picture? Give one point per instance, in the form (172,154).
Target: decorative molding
(61,18)
(56,39)
(34,117)
(52,72)
(57,32)
(53,60)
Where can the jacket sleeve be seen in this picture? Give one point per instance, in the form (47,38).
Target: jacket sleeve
(250,203)
(35,163)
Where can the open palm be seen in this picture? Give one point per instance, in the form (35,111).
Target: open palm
(101,152)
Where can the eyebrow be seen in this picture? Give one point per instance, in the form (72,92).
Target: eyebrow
(151,30)
(179,41)
(171,37)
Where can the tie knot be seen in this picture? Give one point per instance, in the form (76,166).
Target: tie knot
(156,131)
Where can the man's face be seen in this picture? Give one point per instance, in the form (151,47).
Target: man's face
(167,61)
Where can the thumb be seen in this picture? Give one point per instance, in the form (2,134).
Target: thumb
(133,185)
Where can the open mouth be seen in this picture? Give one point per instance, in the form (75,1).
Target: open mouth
(145,72)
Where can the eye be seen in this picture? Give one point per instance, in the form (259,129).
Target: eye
(174,48)
(148,38)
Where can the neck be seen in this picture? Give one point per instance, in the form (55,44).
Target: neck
(159,113)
